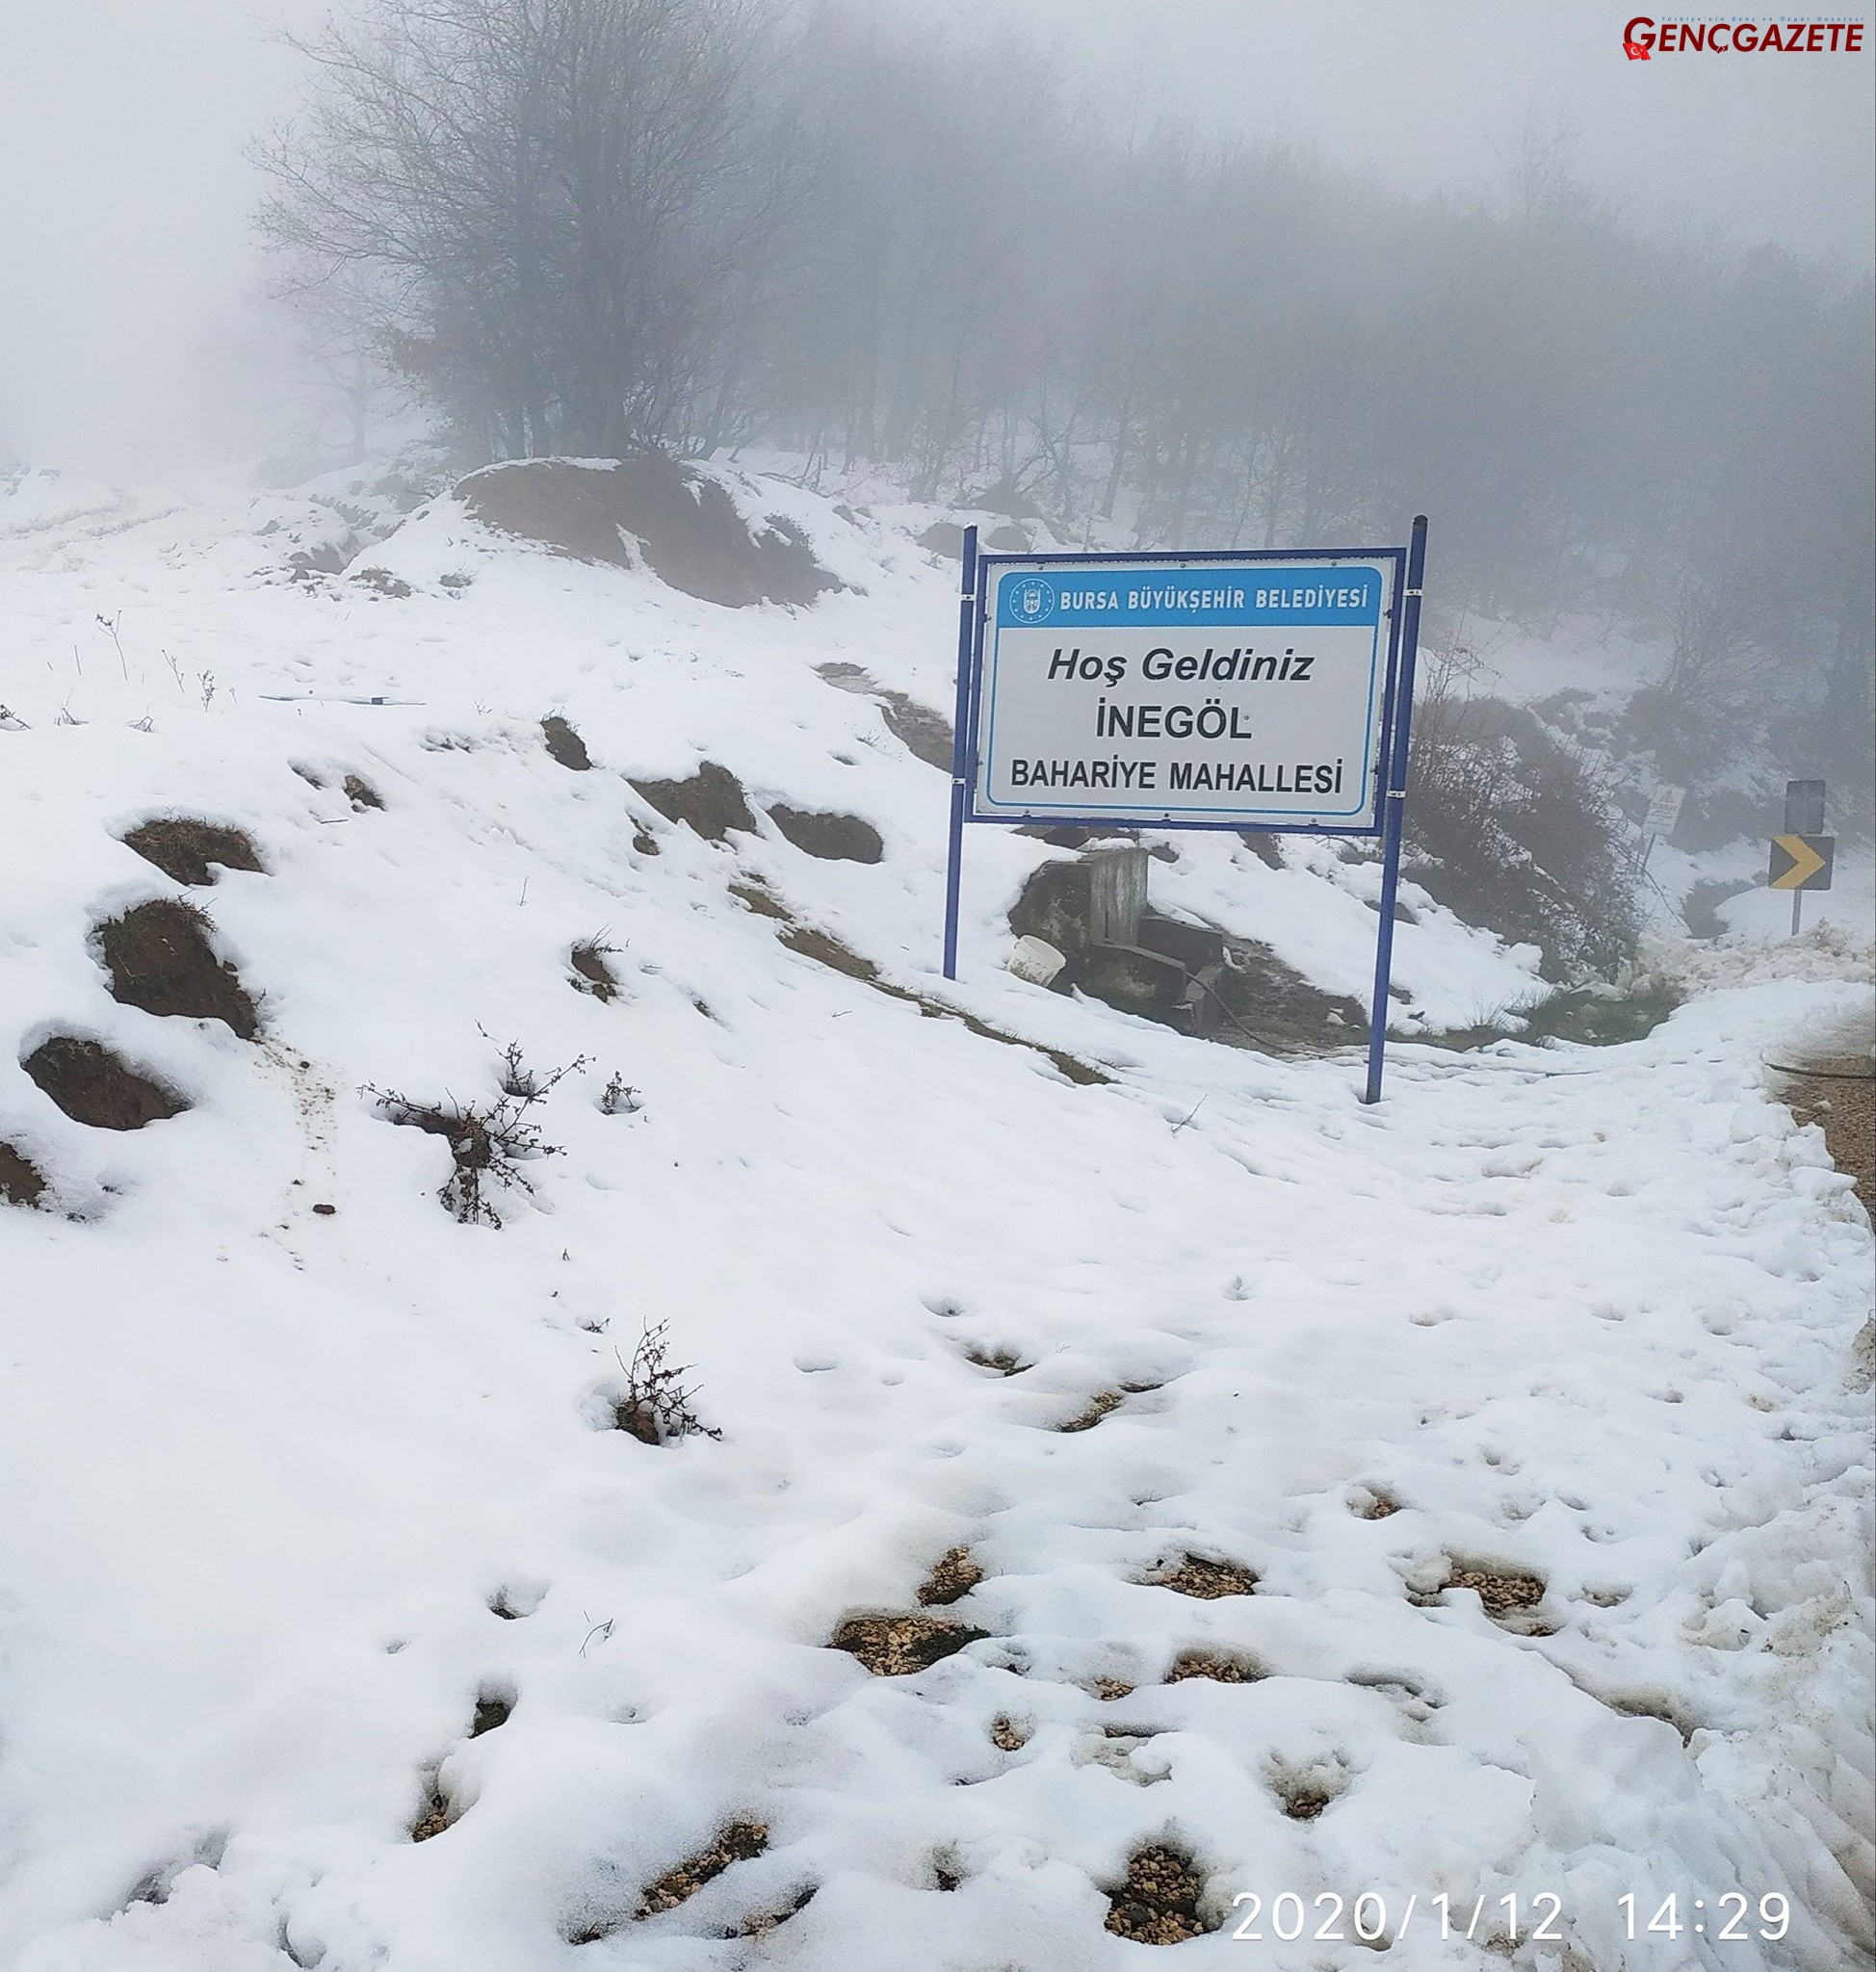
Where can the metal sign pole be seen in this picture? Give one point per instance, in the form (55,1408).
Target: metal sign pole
(1395,796)
(960,746)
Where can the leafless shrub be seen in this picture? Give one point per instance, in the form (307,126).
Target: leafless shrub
(488,1141)
(1516,828)
(527,1085)
(656,1407)
(617,1098)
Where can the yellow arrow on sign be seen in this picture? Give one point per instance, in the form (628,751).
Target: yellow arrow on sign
(1806,862)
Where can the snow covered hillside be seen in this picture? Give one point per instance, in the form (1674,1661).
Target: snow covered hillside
(1131,1479)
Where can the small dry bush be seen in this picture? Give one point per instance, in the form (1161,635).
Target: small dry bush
(1517,829)
(655,1406)
(488,1141)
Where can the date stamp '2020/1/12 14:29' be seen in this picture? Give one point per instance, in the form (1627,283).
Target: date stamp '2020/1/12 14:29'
(1733,1918)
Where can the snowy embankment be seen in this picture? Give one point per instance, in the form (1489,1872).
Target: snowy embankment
(1523,1405)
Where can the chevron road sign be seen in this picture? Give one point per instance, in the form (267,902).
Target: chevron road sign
(1802,862)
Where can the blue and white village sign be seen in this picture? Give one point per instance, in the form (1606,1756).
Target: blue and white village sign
(1231,690)
(1237,694)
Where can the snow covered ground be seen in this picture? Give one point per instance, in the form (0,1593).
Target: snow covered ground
(1528,1398)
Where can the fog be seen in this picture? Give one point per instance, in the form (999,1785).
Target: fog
(131,342)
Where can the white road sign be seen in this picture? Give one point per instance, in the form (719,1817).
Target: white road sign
(1663,811)
(1240,694)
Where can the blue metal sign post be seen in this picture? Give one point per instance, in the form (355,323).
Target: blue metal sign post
(1241,689)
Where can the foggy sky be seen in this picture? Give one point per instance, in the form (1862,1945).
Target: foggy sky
(129,339)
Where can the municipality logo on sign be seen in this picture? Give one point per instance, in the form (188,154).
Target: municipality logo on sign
(1033,601)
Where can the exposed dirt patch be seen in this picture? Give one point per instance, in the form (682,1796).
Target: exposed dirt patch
(187,849)
(160,960)
(1372,1503)
(1261,999)
(434,1816)
(22,1181)
(95,1087)
(712,801)
(1207,1580)
(1109,1690)
(1099,1405)
(588,959)
(925,734)
(683,525)
(382,582)
(493,1708)
(1266,848)
(765,1921)
(955,1574)
(1006,1735)
(1219,1666)
(360,793)
(760,899)
(565,744)
(1651,1704)
(1844,1107)
(829,951)
(1159,1903)
(513,1602)
(833,838)
(1505,1593)
(897,1645)
(1004,1361)
(739,1842)
(1304,1792)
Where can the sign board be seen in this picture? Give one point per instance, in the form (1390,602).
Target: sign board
(1802,862)
(1200,691)
(1804,808)
(1267,688)
(1663,811)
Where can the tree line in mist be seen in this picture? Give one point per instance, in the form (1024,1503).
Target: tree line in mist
(588,226)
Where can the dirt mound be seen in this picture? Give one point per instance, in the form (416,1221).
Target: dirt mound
(94,1087)
(833,838)
(712,801)
(22,1181)
(160,960)
(565,744)
(184,847)
(686,528)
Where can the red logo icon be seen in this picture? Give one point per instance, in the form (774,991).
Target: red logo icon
(1636,51)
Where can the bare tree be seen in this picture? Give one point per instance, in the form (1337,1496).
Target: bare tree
(546,200)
